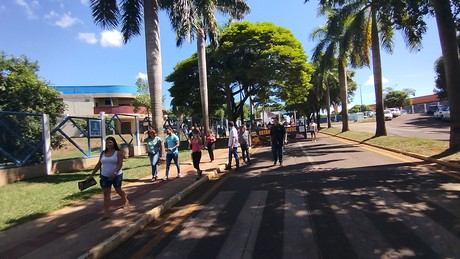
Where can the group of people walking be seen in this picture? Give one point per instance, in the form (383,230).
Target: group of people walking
(111,159)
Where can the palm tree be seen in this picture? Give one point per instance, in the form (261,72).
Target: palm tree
(450,53)
(109,14)
(331,47)
(371,23)
(196,18)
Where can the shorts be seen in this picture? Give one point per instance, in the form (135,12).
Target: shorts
(106,183)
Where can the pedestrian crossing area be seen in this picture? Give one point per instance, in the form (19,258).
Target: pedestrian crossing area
(370,222)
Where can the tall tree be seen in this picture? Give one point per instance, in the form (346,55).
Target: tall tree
(408,16)
(446,22)
(196,18)
(262,60)
(185,89)
(131,13)
(143,96)
(332,49)
(22,90)
(371,27)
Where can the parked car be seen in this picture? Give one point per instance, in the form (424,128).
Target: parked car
(388,115)
(432,108)
(438,112)
(395,112)
(445,115)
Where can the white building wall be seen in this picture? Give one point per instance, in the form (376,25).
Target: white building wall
(79,107)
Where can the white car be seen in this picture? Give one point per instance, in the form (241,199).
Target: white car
(445,114)
(438,112)
(395,112)
(388,115)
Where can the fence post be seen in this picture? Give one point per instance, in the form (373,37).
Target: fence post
(138,141)
(103,130)
(46,143)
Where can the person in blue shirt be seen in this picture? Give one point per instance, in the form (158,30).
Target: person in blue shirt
(172,152)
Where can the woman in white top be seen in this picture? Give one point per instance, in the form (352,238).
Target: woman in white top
(110,164)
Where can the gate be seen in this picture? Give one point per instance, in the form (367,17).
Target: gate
(20,145)
(24,145)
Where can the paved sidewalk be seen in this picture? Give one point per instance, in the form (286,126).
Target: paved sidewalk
(74,231)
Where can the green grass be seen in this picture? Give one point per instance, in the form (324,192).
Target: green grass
(30,199)
(425,147)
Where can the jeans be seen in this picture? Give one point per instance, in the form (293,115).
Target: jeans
(245,152)
(196,157)
(277,151)
(233,151)
(170,157)
(211,146)
(153,162)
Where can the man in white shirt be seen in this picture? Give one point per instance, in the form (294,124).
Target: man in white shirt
(233,145)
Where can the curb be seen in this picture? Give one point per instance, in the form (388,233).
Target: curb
(121,236)
(428,159)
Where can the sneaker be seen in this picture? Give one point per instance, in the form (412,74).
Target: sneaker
(165,178)
(274,163)
(227,167)
(281,163)
(179,176)
(200,173)
(154,178)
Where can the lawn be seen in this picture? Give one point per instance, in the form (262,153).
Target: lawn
(425,147)
(30,199)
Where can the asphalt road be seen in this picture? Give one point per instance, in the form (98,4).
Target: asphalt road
(409,125)
(331,199)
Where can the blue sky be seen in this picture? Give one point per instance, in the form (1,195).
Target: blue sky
(72,50)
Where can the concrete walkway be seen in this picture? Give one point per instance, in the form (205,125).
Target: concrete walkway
(75,232)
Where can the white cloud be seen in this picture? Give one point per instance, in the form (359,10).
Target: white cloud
(29,7)
(64,21)
(370,81)
(111,38)
(84,2)
(142,76)
(88,37)
(67,20)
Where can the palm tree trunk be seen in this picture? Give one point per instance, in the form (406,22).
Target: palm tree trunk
(450,53)
(377,70)
(154,69)
(343,94)
(328,105)
(201,46)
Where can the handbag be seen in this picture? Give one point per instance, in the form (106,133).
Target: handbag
(82,185)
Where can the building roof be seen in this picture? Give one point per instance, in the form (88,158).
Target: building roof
(425,99)
(97,89)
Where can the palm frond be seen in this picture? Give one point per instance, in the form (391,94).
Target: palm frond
(105,13)
(132,18)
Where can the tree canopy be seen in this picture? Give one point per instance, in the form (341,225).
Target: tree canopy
(263,61)
(21,89)
(259,60)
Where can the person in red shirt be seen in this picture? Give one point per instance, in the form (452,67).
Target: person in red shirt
(197,145)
